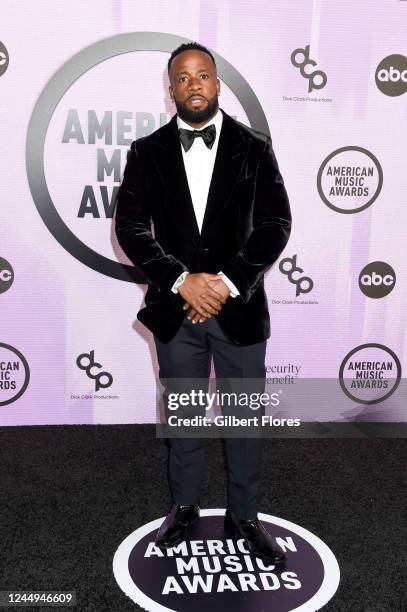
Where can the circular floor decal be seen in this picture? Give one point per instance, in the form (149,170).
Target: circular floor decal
(206,572)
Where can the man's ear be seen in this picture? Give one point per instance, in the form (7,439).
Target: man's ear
(171,93)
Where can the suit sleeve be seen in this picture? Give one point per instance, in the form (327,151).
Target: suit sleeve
(133,227)
(271,229)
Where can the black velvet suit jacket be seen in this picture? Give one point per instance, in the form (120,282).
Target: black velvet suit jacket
(246,225)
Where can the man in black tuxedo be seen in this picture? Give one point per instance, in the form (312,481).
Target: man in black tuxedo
(213,191)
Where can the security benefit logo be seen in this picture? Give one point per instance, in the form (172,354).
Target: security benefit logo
(377,279)
(370,373)
(349,180)
(14,374)
(391,75)
(208,572)
(6,275)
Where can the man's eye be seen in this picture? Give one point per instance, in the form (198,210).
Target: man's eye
(205,75)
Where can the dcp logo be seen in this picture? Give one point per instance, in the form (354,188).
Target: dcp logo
(391,75)
(288,266)
(377,279)
(91,363)
(316,79)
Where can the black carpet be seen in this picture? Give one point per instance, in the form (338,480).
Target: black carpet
(71,494)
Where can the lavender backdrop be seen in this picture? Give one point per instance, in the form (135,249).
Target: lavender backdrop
(57,308)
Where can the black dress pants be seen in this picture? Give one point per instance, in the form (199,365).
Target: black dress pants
(188,355)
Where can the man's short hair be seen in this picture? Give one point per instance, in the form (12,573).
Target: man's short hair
(188,47)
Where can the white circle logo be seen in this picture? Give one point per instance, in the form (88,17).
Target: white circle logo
(85,128)
(349,180)
(207,571)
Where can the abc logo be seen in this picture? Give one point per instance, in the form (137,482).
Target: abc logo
(6,275)
(377,279)
(3,59)
(391,75)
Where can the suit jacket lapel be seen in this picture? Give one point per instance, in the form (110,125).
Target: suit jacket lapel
(170,165)
(232,151)
(231,154)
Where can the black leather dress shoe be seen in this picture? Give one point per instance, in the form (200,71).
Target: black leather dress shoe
(174,526)
(257,539)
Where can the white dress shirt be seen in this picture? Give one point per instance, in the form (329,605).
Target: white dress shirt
(199,161)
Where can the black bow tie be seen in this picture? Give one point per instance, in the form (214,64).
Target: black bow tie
(187,137)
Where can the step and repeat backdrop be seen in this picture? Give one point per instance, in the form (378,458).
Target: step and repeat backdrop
(79,81)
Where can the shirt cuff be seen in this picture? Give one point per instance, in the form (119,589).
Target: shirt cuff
(234,291)
(179,281)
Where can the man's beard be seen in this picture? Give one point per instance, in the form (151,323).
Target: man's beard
(197,115)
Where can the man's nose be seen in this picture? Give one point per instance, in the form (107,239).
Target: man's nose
(194,84)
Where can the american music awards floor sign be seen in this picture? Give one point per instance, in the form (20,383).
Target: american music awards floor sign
(206,572)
